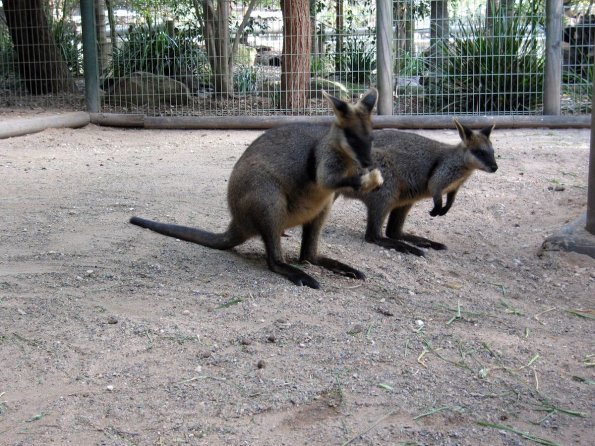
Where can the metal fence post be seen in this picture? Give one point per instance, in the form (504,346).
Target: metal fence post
(590,227)
(384,65)
(90,56)
(553,57)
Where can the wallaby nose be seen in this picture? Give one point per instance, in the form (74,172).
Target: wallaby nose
(365,161)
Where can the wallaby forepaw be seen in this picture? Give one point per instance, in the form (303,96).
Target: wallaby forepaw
(442,211)
(372,180)
(434,212)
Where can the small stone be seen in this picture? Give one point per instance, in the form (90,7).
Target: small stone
(109,388)
(261,364)
(271,339)
(112,320)
(355,329)
(186,312)
(245,341)
(384,311)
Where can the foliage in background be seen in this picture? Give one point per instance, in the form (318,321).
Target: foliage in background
(359,58)
(577,91)
(244,79)
(409,66)
(70,44)
(151,49)
(65,35)
(482,70)
(7,55)
(321,65)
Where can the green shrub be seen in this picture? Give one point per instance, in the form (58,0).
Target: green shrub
(244,79)
(7,55)
(577,91)
(409,66)
(494,70)
(358,59)
(152,50)
(70,44)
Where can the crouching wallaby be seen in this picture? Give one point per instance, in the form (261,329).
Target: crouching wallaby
(415,167)
(288,177)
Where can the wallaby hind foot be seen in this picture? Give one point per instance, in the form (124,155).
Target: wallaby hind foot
(397,245)
(394,230)
(422,242)
(309,250)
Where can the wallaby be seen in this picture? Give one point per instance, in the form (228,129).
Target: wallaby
(288,177)
(415,167)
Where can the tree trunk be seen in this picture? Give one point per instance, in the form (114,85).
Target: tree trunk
(112,25)
(41,65)
(215,22)
(339,20)
(216,39)
(295,64)
(494,7)
(103,45)
(438,23)
(405,22)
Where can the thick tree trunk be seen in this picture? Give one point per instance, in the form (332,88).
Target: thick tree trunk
(295,65)
(217,41)
(494,7)
(214,18)
(439,28)
(41,65)
(339,25)
(103,45)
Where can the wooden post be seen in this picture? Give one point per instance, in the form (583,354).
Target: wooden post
(384,64)
(90,57)
(553,57)
(590,227)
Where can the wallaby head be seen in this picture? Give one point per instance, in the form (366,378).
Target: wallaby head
(479,151)
(354,123)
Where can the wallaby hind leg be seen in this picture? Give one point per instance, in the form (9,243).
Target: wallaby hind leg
(276,263)
(394,230)
(309,250)
(376,216)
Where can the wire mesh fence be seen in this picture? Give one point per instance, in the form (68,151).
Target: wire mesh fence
(40,55)
(263,57)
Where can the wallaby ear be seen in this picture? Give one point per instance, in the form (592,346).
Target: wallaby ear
(488,130)
(369,99)
(464,131)
(341,107)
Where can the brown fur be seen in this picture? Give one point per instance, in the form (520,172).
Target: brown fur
(288,177)
(414,168)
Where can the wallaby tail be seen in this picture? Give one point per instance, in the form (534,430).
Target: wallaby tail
(225,240)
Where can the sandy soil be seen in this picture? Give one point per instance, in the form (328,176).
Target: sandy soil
(114,335)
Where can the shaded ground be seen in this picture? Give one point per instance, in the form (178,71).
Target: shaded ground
(114,335)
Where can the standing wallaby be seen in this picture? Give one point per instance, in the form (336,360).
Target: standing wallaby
(415,167)
(288,177)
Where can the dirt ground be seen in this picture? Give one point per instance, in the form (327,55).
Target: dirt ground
(114,335)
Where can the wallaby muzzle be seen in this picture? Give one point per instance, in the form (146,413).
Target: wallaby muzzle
(365,160)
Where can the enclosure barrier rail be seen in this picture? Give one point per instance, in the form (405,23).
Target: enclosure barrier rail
(25,126)
(379,121)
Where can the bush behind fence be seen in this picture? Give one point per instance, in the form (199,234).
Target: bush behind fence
(215,57)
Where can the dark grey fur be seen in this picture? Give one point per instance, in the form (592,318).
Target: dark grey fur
(288,177)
